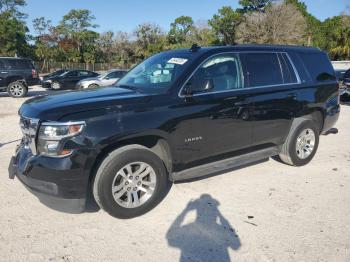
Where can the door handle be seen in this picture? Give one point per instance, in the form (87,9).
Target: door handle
(3,72)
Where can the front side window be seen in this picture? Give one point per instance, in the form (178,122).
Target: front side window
(72,74)
(112,75)
(157,73)
(221,73)
(262,69)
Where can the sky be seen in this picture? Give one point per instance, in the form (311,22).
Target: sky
(125,15)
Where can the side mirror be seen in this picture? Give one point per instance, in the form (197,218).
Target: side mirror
(200,87)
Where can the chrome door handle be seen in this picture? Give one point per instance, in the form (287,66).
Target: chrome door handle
(4,72)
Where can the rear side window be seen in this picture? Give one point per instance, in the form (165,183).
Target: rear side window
(17,64)
(318,66)
(262,69)
(2,65)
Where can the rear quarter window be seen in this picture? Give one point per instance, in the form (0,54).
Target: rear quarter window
(318,66)
(14,64)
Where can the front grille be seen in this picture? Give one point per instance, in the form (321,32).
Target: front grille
(29,127)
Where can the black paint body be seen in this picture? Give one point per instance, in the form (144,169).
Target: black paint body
(223,124)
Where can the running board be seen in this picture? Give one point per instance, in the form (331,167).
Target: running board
(226,164)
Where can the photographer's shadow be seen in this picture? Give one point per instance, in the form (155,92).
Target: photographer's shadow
(208,238)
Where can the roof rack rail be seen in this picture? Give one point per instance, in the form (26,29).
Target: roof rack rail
(195,48)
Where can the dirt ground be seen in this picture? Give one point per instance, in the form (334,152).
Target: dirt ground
(266,212)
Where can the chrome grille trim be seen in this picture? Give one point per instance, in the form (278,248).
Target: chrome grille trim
(29,127)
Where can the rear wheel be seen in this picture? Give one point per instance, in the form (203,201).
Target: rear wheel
(130,182)
(17,89)
(301,144)
(93,86)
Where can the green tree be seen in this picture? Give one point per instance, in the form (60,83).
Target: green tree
(254,5)
(336,35)
(149,40)
(12,7)
(180,30)
(76,31)
(225,24)
(13,30)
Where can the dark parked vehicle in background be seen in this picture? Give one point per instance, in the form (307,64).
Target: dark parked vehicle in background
(345,85)
(66,80)
(53,74)
(16,75)
(179,115)
(107,79)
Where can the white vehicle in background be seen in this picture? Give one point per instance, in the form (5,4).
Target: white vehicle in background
(107,79)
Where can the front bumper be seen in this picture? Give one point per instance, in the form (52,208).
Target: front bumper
(59,183)
(344,90)
(46,85)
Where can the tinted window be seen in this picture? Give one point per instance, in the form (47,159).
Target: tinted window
(288,73)
(85,73)
(2,65)
(318,66)
(113,75)
(72,74)
(263,69)
(223,71)
(16,64)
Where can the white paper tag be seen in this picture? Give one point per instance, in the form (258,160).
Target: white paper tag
(177,61)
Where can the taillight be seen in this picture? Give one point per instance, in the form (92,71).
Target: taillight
(34,73)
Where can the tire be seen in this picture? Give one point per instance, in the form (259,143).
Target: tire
(17,89)
(93,86)
(55,86)
(290,153)
(108,175)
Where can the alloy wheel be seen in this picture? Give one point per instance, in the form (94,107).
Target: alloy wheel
(134,184)
(305,143)
(16,90)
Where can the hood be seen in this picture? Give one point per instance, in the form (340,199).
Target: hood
(54,107)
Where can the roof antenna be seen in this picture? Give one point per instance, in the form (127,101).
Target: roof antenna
(195,48)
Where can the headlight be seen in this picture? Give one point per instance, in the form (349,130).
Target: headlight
(52,135)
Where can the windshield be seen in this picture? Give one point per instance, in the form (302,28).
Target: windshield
(157,73)
(57,73)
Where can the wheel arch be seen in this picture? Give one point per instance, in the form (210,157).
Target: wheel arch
(156,143)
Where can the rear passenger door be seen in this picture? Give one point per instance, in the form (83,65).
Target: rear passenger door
(272,79)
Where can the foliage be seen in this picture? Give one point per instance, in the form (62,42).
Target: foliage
(225,23)
(254,5)
(74,38)
(180,30)
(279,24)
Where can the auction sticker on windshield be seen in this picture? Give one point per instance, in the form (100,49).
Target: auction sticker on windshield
(178,61)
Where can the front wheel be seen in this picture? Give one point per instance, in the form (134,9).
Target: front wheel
(301,144)
(130,182)
(56,86)
(17,89)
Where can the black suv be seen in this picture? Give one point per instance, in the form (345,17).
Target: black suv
(179,115)
(16,74)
